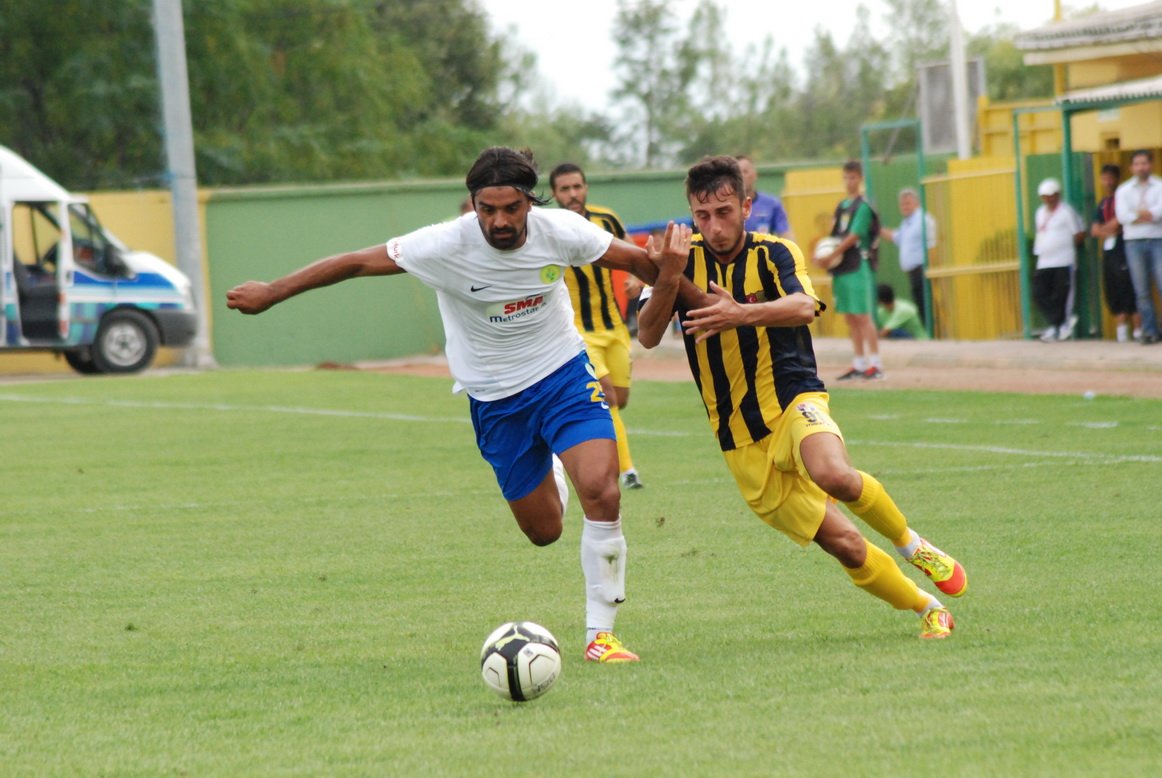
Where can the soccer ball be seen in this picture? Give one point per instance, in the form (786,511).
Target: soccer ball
(823,249)
(520,660)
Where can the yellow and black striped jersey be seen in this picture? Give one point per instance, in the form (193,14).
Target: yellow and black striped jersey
(595,307)
(748,375)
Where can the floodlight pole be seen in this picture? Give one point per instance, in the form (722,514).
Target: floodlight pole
(959,83)
(174,85)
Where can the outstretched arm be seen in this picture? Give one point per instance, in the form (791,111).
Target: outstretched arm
(654,316)
(256,296)
(726,313)
(645,263)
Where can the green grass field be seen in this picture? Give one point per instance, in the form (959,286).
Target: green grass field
(290,573)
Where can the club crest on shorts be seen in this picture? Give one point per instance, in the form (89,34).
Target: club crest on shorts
(809,412)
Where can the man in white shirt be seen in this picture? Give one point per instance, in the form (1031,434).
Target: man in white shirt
(1059,232)
(1138,205)
(911,244)
(511,345)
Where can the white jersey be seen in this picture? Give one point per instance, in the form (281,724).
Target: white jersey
(1054,245)
(507,318)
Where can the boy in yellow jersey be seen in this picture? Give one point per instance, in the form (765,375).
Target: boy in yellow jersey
(596,312)
(751,355)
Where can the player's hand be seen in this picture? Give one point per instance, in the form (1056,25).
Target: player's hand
(251,297)
(724,313)
(633,286)
(672,251)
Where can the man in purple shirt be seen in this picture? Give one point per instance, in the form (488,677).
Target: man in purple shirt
(767,214)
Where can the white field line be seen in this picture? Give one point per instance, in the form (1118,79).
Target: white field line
(227,408)
(1078,456)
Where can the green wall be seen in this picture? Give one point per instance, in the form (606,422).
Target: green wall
(263,233)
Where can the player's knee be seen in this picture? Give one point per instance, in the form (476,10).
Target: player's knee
(846,545)
(544,535)
(600,494)
(840,482)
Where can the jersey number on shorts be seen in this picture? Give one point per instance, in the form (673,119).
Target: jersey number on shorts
(598,395)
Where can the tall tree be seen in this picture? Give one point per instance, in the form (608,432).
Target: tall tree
(652,76)
(1007,75)
(78,93)
(281,90)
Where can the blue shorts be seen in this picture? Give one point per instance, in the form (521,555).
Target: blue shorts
(518,435)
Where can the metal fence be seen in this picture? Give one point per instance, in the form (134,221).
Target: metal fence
(974,271)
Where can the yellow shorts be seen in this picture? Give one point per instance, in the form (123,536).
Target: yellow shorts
(609,352)
(771,475)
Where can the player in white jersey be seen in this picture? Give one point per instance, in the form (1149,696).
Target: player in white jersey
(512,346)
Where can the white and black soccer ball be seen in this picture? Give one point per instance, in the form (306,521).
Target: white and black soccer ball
(824,248)
(520,660)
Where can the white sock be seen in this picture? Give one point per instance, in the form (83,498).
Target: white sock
(562,482)
(603,552)
(1123,333)
(875,361)
(932,603)
(859,363)
(907,551)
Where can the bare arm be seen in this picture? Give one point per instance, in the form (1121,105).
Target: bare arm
(1105,229)
(848,241)
(726,313)
(654,316)
(644,263)
(256,296)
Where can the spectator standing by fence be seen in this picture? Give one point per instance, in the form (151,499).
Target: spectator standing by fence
(1116,280)
(916,228)
(1138,205)
(1059,232)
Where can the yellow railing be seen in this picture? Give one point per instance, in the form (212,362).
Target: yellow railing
(974,270)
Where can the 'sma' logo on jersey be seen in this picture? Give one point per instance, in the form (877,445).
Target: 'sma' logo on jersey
(550,273)
(517,309)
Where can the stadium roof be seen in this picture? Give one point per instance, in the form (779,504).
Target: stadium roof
(1126,25)
(1126,91)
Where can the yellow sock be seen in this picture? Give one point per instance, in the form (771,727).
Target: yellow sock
(881,577)
(623,457)
(876,507)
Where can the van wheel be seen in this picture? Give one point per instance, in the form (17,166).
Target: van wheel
(81,361)
(126,342)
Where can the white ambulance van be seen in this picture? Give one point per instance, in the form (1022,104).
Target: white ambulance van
(70,287)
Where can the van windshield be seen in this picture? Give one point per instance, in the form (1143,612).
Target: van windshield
(91,247)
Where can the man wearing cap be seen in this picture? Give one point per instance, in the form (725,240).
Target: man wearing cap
(1059,232)
(511,345)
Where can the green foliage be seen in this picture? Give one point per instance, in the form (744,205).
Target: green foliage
(78,94)
(318,90)
(280,90)
(291,573)
(1009,78)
